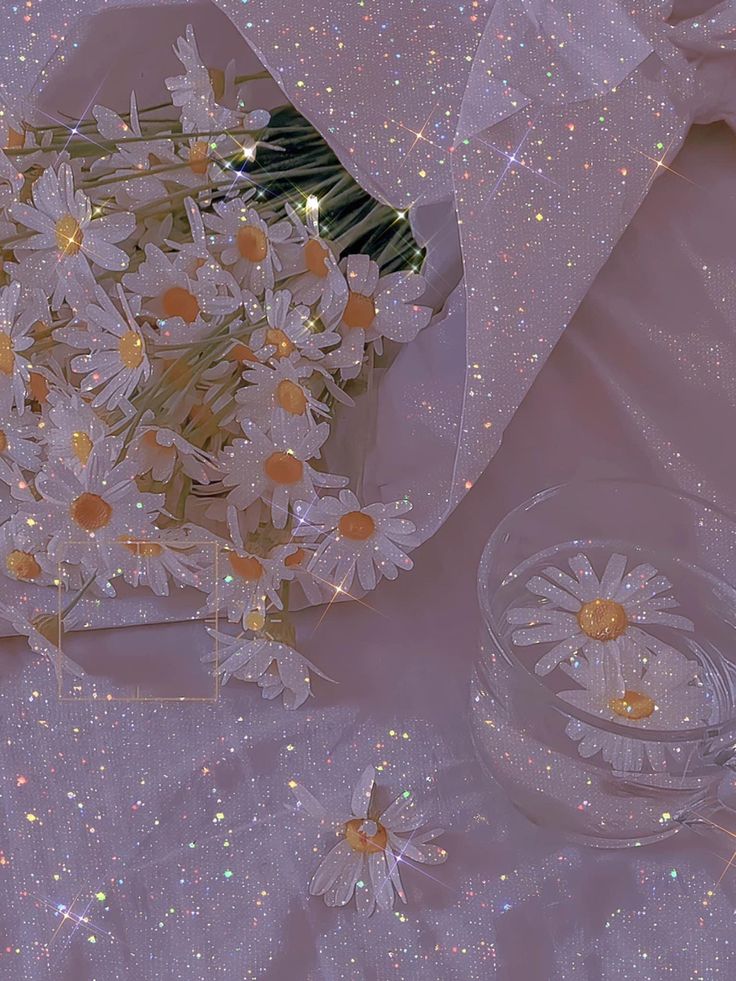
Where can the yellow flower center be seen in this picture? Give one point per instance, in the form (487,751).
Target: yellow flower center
(602,619)
(252,243)
(278,339)
(7,355)
(15,139)
(315,257)
(295,559)
(130,348)
(178,302)
(146,550)
(361,842)
(39,387)
(634,705)
(81,447)
(360,311)
(90,511)
(283,468)
(291,397)
(199,159)
(68,235)
(240,353)
(22,565)
(356,526)
(245,566)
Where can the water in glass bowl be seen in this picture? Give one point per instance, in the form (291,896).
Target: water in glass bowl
(612,772)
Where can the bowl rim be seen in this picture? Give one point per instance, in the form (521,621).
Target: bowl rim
(698,734)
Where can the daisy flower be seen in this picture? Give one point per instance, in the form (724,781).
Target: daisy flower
(157,449)
(275,468)
(280,391)
(660,693)
(136,157)
(85,512)
(117,361)
(370,541)
(575,611)
(66,236)
(18,436)
(371,848)
(15,326)
(277,668)
(242,583)
(11,181)
(167,557)
(44,630)
(177,298)
(377,307)
(23,554)
(290,332)
(296,557)
(317,277)
(204,94)
(246,244)
(72,429)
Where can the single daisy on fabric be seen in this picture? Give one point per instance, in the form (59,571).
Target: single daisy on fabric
(290,332)
(16,321)
(275,468)
(368,541)
(279,391)
(72,429)
(376,307)
(277,668)
(248,245)
(117,361)
(372,848)
(575,611)
(657,693)
(85,512)
(317,277)
(171,556)
(66,237)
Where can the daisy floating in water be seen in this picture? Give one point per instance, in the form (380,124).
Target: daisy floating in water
(660,693)
(372,847)
(583,612)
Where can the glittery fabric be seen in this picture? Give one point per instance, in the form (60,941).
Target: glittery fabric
(542,129)
(640,384)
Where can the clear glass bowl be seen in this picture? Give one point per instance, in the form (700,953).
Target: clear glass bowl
(521,726)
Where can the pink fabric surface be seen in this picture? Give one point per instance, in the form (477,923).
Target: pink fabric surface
(641,384)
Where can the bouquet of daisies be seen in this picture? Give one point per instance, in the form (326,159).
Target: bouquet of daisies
(188,293)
